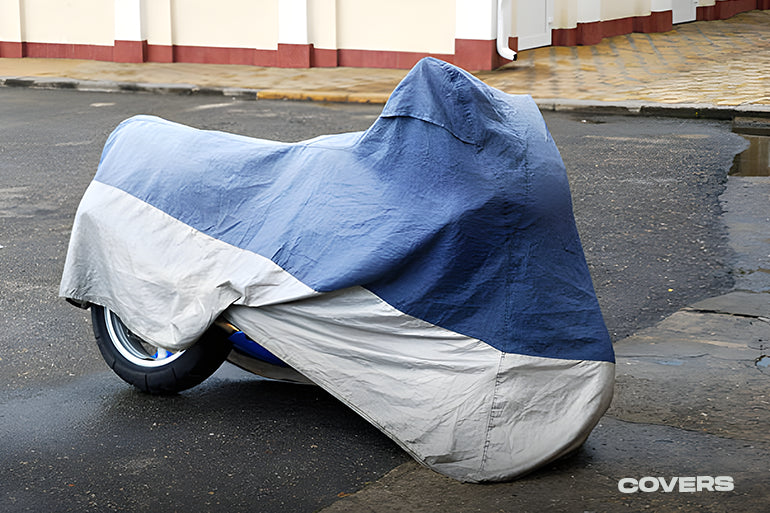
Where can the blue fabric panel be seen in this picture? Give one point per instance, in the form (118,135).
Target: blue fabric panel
(453,207)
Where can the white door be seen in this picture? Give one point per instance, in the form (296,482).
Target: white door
(533,23)
(684,10)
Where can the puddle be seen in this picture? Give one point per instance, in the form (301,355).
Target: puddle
(763,363)
(755,160)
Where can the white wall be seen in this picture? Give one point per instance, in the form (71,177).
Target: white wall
(156,22)
(397,25)
(10,24)
(68,21)
(322,23)
(613,10)
(225,23)
(476,19)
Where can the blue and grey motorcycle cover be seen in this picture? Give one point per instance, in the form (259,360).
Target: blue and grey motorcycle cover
(427,271)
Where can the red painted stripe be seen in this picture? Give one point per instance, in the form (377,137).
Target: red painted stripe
(655,22)
(130,51)
(11,49)
(724,9)
(160,53)
(593,32)
(478,54)
(383,58)
(67,51)
(219,55)
(294,56)
(326,58)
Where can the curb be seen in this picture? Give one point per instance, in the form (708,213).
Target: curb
(322,96)
(109,86)
(678,110)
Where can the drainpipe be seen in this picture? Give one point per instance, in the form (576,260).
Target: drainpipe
(502,34)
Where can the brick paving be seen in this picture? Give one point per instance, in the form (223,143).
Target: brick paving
(717,62)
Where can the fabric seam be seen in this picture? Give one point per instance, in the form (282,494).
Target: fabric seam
(493,407)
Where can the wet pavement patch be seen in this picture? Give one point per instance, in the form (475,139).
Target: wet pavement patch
(754,160)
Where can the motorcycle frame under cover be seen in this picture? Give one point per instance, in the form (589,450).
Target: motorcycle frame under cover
(427,271)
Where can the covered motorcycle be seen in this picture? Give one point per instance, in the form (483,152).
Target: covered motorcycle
(427,271)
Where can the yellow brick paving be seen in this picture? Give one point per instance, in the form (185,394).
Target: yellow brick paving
(718,62)
(723,63)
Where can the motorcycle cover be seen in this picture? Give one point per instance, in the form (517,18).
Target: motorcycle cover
(427,271)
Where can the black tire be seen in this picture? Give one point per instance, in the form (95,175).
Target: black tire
(137,363)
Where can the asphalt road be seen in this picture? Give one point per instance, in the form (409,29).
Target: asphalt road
(75,438)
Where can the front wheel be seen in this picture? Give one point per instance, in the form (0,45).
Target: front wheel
(153,369)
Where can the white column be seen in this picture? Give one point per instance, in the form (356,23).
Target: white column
(292,22)
(322,23)
(476,19)
(477,45)
(661,5)
(10,27)
(128,20)
(589,11)
(157,22)
(130,40)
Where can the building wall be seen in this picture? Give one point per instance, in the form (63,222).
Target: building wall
(224,23)
(10,21)
(156,22)
(322,23)
(571,12)
(627,9)
(67,21)
(305,33)
(398,25)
